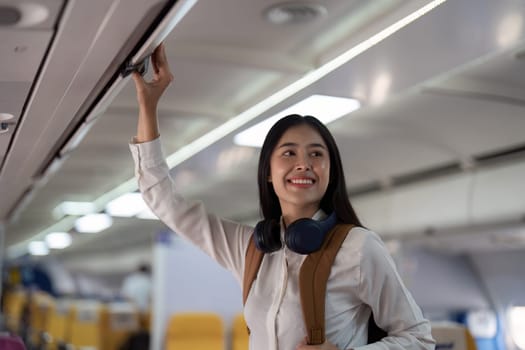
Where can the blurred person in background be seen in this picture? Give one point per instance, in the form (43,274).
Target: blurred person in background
(136,287)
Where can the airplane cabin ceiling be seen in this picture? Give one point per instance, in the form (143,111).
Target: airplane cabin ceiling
(441,92)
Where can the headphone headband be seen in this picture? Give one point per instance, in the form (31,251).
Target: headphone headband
(303,236)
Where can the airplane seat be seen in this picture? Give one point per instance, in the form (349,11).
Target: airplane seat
(471,342)
(145,320)
(452,336)
(14,303)
(240,336)
(119,321)
(59,323)
(196,331)
(86,326)
(40,305)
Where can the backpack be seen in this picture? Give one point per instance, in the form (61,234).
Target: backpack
(313,277)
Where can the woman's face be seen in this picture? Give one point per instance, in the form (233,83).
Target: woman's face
(300,170)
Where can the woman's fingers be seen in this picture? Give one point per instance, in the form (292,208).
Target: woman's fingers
(138,80)
(149,92)
(161,71)
(162,62)
(155,59)
(161,56)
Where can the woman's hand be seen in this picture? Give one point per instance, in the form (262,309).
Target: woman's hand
(149,93)
(325,346)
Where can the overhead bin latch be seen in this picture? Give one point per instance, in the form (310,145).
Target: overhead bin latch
(140,67)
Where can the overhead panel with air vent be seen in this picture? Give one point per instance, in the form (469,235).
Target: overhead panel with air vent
(76,72)
(26,30)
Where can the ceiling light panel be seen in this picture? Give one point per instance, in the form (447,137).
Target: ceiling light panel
(38,248)
(93,223)
(58,240)
(74,208)
(323,107)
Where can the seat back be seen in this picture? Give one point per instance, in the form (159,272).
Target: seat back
(452,336)
(240,336)
(59,322)
(14,303)
(40,305)
(119,322)
(196,331)
(145,320)
(86,324)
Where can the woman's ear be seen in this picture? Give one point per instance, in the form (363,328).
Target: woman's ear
(269,179)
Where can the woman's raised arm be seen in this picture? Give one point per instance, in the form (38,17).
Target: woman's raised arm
(149,93)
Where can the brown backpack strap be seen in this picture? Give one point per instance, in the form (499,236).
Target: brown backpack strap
(252,262)
(313,278)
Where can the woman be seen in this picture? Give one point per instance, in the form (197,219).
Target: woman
(300,176)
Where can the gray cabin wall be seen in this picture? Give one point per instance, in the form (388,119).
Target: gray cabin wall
(441,282)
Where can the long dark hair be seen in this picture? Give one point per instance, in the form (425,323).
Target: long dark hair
(335,198)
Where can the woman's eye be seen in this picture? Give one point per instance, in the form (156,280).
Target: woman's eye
(317,154)
(288,153)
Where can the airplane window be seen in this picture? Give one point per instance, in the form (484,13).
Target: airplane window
(482,324)
(517,324)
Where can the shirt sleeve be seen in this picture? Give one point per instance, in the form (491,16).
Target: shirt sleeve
(393,307)
(222,240)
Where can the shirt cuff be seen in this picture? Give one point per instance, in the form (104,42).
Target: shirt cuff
(147,154)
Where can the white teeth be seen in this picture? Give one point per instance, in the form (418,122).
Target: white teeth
(302,181)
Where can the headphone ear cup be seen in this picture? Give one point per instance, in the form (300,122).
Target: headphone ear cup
(304,236)
(267,236)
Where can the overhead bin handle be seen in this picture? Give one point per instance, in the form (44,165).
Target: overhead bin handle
(139,61)
(140,67)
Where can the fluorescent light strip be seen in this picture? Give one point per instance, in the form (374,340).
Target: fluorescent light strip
(231,125)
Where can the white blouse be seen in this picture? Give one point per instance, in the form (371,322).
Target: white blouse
(363,277)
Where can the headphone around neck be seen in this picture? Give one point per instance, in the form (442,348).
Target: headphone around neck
(303,236)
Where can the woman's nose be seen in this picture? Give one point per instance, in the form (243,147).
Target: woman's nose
(302,164)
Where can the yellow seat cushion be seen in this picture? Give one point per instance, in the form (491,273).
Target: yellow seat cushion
(240,336)
(195,331)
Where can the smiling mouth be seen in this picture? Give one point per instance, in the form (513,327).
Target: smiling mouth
(302,181)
